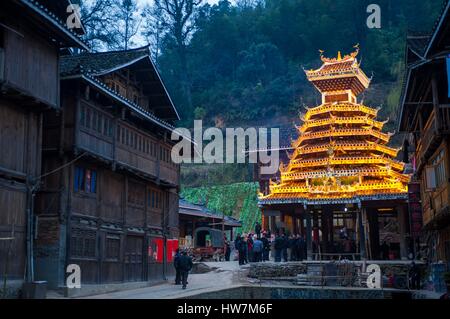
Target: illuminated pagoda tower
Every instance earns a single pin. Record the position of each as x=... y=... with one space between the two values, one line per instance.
x=341 y=156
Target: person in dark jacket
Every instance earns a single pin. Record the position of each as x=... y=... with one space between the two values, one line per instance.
x=175 y=264
x=285 y=247
x=301 y=248
x=279 y=244
x=258 y=230
x=184 y=264
x=266 y=247
x=227 y=250
x=414 y=276
x=240 y=246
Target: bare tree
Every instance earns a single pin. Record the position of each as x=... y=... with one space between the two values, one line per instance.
x=178 y=20
x=97 y=20
x=153 y=29
x=126 y=23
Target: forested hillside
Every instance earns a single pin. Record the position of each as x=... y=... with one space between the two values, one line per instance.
x=237 y=200
x=245 y=62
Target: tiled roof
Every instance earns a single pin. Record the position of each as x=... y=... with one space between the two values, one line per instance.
x=188 y=208
x=100 y=62
x=337 y=67
x=91 y=65
x=39 y=7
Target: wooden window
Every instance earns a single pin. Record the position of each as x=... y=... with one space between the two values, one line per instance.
x=105 y=126
x=94 y=120
x=83 y=243
x=85 y=180
x=88 y=118
x=112 y=247
x=154 y=199
x=118 y=133
x=136 y=193
x=110 y=128
x=439 y=168
x=83 y=115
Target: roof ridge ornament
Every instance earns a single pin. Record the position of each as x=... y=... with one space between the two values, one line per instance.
x=339 y=57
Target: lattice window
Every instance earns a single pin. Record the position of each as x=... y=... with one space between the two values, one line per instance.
x=83 y=243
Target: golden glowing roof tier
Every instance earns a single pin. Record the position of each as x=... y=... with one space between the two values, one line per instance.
x=361 y=120
x=339 y=74
x=335 y=108
x=341 y=151
x=346 y=147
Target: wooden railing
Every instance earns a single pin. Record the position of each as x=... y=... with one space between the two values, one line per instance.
x=135 y=149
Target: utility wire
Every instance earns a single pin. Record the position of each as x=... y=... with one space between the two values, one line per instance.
x=63 y=166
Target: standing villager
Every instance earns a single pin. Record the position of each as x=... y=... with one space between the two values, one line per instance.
x=258 y=230
x=414 y=276
x=184 y=264
x=250 y=247
x=240 y=245
x=301 y=246
x=279 y=244
x=285 y=247
x=266 y=248
x=258 y=248
x=384 y=251
x=177 y=270
x=227 y=250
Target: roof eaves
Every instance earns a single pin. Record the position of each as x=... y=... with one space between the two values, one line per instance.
x=437 y=26
x=53 y=19
x=164 y=87
x=136 y=108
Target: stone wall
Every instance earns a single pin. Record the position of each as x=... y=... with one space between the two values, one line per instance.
x=273 y=270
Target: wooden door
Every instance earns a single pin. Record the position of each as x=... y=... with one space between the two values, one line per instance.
x=134 y=258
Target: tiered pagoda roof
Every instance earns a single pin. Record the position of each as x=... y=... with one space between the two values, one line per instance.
x=341 y=154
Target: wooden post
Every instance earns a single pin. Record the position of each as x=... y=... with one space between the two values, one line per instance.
x=309 y=235
x=361 y=235
x=435 y=93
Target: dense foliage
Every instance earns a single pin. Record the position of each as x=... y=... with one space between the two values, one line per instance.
x=244 y=61
x=237 y=200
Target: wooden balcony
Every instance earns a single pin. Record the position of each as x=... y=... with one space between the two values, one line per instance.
x=129 y=148
x=432 y=135
x=29 y=68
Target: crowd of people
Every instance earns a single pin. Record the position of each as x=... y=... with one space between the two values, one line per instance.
x=264 y=246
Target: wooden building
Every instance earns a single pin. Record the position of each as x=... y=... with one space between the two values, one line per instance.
x=342 y=188
x=32 y=33
x=425 y=117
x=194 y=216
x=109 y=199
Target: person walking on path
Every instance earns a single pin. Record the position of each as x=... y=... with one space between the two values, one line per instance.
x=258 y=248
x=177 y=270
x=184 y=264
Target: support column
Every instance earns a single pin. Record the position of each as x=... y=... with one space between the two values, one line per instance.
x=361 y=235
x=374 y=231
x=309 y=235
x=401 y=215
